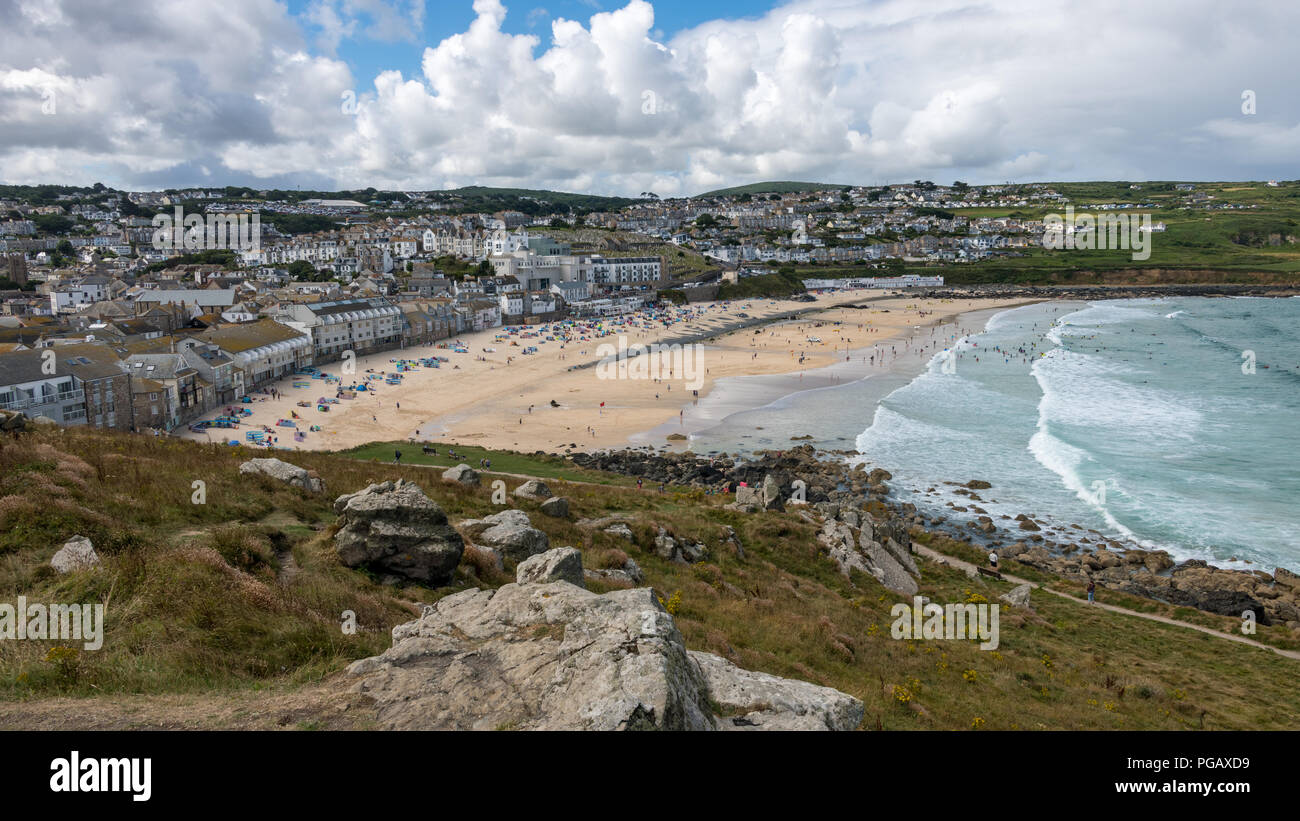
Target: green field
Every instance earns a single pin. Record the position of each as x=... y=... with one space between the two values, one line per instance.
x=544 y=466
x=1198 y=245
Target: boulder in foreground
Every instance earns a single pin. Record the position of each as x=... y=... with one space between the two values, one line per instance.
x=561 y=564
x=557 y=657
x=462 y=474
x=534 y=489
x=395 y=528
x=284 y=472
x=509 y=534
x=76 y=554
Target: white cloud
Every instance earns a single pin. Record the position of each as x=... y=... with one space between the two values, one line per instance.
x=161 y=91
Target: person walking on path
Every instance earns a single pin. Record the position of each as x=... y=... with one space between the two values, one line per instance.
x=397 y=458
x=993 y=560
x=1092 y=590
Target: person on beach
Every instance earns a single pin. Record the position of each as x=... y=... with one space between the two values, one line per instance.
x=1092 y=590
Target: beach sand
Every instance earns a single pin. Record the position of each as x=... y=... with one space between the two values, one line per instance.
x=487 y=400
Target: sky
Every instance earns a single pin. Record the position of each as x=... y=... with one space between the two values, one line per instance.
x=623 y=97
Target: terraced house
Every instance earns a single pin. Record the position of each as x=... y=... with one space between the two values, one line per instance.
x=86 y=387
x=264 y=350
x=360 y=325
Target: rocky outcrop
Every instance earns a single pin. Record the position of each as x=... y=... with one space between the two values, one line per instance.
x=556 y=506
x=1191 y=584
x=628 y=573
x=462 y=474
x=668 y=547
x=758 y=701
x=1018 y=596
x=749 y=498
x=396 y=529
x=77 y=553
x=773 y=493
x=731 y=540
x=561 y=564
x=556 y=657
x=12 y=422
x=1229 y=592
x=856 y=495
x=509 y=534
x=620 y=530
x=284 y=472
x=861 y=548
x=534 y=490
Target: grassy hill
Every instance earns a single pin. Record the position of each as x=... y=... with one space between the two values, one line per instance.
x=238 y=600
x=497 y=199
x=773 y=188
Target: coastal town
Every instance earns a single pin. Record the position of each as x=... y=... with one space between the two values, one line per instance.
x=168 y=305
x=151 y=334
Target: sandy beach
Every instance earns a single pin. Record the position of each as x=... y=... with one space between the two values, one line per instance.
x=495 y=396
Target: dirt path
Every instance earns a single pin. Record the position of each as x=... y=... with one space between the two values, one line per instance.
x=324 y=706
x=961 y=564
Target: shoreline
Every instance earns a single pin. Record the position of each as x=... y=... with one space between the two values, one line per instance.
x=736 y=396
x=555 y=400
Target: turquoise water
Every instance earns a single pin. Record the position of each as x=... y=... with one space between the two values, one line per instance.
x=1132 y=417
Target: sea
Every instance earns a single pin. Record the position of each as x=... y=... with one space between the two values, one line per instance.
x=1167 y=424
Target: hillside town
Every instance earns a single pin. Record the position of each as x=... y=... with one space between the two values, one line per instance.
x=152 y=333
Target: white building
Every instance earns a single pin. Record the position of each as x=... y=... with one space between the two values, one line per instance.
x=358 y=325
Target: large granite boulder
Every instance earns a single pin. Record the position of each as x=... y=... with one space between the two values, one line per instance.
x=556 y=506
x=284 y=472
x=509 y=534
x=76 y=554
x=560 y=564
x=557 y=657
x=1018 y=596
x=394 y=528
x=534 y=490
x=772 y=494
x=749 y=497
x=758 y=701
x=462 y=474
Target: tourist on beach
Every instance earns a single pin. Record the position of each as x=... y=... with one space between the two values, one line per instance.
x=1092 y=590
